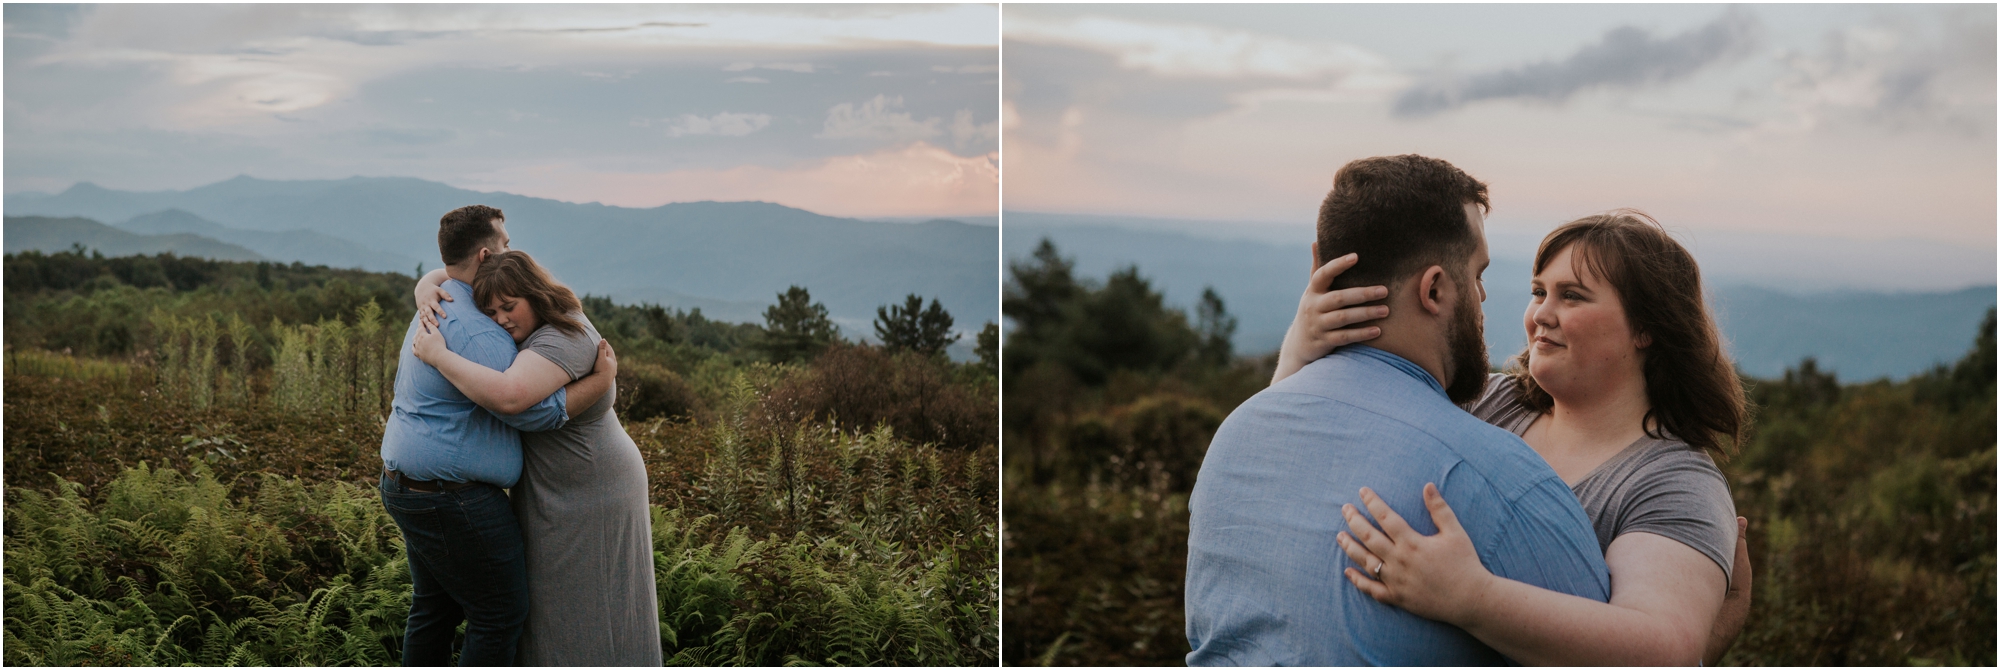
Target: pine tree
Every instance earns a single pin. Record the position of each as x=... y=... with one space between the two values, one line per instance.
x=796 y=329
x=1216 y=326
x=910 y=327
x=989 y=348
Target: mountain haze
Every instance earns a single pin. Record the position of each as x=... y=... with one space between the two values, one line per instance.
x=731 y=255
x=49 y=235
x=1860 y=335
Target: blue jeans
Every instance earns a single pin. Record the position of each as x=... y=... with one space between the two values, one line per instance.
x=467 y=563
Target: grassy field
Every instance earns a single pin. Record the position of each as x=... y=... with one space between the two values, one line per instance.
x=186 y=490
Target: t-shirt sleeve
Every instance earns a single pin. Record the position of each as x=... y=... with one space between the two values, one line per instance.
x=576 y=353
x=1496 y=399
x=1683 y=496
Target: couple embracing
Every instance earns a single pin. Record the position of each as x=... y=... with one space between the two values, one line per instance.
x=1388 y=501
x=504 y=384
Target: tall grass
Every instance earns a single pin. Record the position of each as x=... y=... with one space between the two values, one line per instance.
x=775 y=542
x=333 y=367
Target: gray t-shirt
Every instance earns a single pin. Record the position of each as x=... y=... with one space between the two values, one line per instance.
x=575 y=354
x=1663 y=487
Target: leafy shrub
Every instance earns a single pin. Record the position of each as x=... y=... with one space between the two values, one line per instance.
x=860 y=385
x=647 y=391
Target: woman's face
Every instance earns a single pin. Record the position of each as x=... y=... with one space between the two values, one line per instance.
x=1579 y=341
x=513 y=314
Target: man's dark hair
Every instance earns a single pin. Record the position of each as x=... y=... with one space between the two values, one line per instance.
x=1402 y=214
x=464 y=230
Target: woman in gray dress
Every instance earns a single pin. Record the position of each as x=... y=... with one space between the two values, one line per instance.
x=582 y=498
x=1624 y=389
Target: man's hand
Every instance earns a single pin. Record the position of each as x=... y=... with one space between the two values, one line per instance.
x=1735 y=605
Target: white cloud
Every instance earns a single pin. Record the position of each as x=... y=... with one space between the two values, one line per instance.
x=964 y=131
x=738 y=67
x=881 y=73
x=1899 y=74
x=725 y=123
x=806 y=68
x=1198 y=51
x=966 y=69
x=747 y=80
x=876 y=119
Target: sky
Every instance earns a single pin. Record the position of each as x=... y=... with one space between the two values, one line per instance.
x=1854 y=123
x=846 y=110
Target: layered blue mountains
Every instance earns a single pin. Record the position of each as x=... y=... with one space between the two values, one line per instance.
x=730 y=259
x=1777 y=301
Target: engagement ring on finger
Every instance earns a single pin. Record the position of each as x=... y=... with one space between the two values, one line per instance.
x=1378 y=571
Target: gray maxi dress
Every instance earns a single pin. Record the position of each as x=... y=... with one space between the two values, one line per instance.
x=588 y=528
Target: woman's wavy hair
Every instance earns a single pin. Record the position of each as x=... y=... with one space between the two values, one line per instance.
x=1690 y=382
x=515 y=274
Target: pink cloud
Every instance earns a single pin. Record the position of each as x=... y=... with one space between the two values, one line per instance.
x=917 y=179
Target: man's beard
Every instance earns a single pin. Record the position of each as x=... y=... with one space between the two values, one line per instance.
x=1466 y=362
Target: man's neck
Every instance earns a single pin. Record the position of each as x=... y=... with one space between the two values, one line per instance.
x=1407 y=346
x=1415 y=347
x=462 y=273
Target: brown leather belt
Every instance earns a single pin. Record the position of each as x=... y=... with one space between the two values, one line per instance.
x=422 y=485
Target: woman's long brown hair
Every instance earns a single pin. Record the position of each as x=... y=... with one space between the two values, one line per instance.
x=515 y=274
x=1690 y=382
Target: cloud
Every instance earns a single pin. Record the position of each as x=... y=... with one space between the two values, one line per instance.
x=804 y=68
x=876 y=120
x=747 y=80
x=1898 y=74
x=964 y=131
x=1183 y=50
x=917 y=179
x=726 y=124
x=1625 y=57
x=966 y=69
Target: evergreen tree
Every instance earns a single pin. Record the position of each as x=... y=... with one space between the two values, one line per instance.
x=796 y=329
x=1215 y=326
x=910 y=327
x=989 y=348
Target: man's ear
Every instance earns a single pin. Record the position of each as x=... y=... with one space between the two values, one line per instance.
x=1316 y=262
x=1430 y=290
x=482 y=255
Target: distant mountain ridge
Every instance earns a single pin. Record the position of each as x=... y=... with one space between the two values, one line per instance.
x=305 y=246
x=1860 y=335
x=51 y=235
x=741 y=253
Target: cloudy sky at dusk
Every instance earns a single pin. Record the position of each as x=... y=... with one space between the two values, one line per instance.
x=1860 y=122
x=844 y=110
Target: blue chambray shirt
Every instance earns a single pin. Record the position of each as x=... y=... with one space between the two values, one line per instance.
x=1264 y=583
x=434 y=432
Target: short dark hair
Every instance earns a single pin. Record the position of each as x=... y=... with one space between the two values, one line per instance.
x=1402 y=214
x=464 y=230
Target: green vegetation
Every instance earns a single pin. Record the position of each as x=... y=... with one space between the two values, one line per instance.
x=1871 y=505
x=911 y=327
x=202 y=490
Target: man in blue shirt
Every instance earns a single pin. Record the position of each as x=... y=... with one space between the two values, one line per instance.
x=446 y=461
x=1264 y=582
